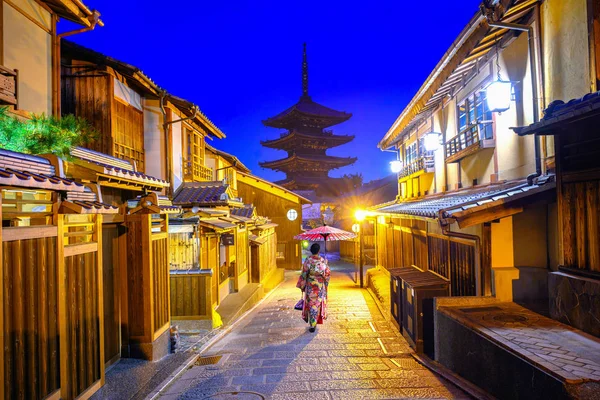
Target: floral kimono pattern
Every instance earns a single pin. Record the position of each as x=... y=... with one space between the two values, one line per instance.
x=313 y=281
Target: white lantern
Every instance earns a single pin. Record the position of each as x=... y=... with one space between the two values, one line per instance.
x=431 y=141
x=396 y=166
x=498 y=96
x=356 y=228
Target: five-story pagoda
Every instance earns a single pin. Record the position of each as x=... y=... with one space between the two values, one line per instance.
x=306 y=141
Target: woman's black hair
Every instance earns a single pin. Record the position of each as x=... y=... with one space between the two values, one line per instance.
x=314 y=249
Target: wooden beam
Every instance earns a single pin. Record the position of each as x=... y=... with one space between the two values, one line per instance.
x=29 y=232
x=75 y=249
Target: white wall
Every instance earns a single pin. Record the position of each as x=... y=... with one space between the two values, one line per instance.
x=154 y=139
x=28 y=48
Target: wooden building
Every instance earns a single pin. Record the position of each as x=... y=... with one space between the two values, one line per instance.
x=281 y=206
x=306 y=141
x=473 y=205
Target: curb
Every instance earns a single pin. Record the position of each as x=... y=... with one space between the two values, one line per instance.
x=155 y=394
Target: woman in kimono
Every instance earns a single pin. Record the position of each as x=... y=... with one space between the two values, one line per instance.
x=313 y=281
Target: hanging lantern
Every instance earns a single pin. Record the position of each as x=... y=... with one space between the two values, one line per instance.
x=396 y=166
x=431 y=141
x=498 y=96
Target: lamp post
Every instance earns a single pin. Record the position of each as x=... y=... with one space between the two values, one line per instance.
x=360 y=216
x=328 y=220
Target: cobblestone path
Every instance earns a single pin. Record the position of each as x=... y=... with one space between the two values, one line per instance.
x=355 y=354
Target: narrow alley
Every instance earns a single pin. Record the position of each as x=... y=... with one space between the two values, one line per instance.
x=355 y=354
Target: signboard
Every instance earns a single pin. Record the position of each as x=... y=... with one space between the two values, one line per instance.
x=227 y=239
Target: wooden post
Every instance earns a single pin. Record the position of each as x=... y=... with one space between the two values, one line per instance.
x=2 y=301
x=97 y=237
x=65 y=389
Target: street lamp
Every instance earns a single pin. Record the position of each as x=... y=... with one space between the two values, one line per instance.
x=396 y=166
x=431 y=141
x=360 y=216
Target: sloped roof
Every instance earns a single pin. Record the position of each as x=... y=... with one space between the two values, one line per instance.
x=203 y=193
x=233 y=160
x=559 y=112
x=25 y=170
x=307 y=107
x=74 y=10
x=248 y=211
x=451 y=205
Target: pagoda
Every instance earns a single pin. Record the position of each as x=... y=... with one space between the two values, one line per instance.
x=306 y=141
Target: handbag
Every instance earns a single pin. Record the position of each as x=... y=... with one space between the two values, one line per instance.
x=299 y=305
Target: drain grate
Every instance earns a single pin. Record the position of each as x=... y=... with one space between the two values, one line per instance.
x=210 y=360
x=406 y=363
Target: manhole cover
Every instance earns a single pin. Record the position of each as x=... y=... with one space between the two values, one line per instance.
x=207 y=360
x=510 y=318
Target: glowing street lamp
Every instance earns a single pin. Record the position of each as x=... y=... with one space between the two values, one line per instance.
x=498 y=95
x=360 y=216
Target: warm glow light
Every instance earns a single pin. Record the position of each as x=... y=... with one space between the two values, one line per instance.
x=396 y=166
x=356 y=228
x=432 y=141
x=360 y=215
x=498 y=96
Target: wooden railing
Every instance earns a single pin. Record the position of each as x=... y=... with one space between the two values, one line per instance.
x=424 y=163
x=9 y=86
x=467 y=142
x=197 y=172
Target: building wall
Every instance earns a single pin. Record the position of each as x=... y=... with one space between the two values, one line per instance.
x=28 y=48
x=153 y=139
x=274 y=207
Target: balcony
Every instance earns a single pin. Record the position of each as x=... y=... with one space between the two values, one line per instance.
x=196 y=172
x=468 y=142
x=9 y=87
x=424 y=164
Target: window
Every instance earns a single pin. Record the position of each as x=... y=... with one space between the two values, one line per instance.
x=128 y=134
x=410 y=154
x=194 y=157
x=280 y=255
x=292 y=215
x=473 y=110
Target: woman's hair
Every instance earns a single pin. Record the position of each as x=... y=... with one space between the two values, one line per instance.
x=314 y=249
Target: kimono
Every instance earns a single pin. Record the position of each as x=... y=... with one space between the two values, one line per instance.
x=313 y=281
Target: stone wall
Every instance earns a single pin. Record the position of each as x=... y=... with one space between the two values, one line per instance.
x=575 y=301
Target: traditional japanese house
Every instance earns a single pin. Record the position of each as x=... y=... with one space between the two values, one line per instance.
x=283 y=207
x=306 y=141
x=483 y=215
x=52 y=285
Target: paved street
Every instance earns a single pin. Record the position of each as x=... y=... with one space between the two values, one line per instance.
x=356 y=354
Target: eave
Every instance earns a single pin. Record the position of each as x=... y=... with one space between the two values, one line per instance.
x=73 y=10
x=288 y=140
x=329 y=161
x=272 y=188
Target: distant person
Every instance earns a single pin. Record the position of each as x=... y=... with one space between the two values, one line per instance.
x=313 y=282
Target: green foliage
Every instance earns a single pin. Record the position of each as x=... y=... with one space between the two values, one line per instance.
x=44 y=135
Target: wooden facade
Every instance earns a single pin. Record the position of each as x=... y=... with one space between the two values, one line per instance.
x=275 y=202
x=52 y=292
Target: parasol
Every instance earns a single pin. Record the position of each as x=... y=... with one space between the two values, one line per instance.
x=325 y=233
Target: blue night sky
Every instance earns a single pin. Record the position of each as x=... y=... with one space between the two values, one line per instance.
x=241 y=62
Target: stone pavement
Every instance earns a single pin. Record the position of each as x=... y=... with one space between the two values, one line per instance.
x=270 y=354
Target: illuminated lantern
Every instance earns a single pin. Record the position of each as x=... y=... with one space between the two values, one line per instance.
x=431 y=141
x=396 y=166
x=498 y=96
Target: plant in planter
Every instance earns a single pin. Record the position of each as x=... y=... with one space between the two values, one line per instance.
x=44 y=134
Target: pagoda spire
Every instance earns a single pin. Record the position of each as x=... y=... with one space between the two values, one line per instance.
x=304 y=74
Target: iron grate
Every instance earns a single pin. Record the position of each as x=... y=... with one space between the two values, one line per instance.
x=406 y=363
x=209 y=360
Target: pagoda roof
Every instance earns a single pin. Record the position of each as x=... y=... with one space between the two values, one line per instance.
x=330 y=140
x=334 y=162
x=307 y=108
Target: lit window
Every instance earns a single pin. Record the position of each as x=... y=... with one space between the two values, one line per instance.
x=292 y=215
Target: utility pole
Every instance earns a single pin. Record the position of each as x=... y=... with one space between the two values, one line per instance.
x=361 y=253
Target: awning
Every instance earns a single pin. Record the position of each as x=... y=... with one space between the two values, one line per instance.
x=217 y=224
x=257 y=240
x=474 y=206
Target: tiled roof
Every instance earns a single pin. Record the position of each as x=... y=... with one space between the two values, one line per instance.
x=116 y=167
x=87 y=202
x=560 y=112
x=209 y=193
x=247 y=211
x=309 y=108
x=24 y=170
x=165 y=205
x=453 y=203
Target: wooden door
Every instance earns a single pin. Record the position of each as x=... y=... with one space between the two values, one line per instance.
x=254 y=264
x=112 y=303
